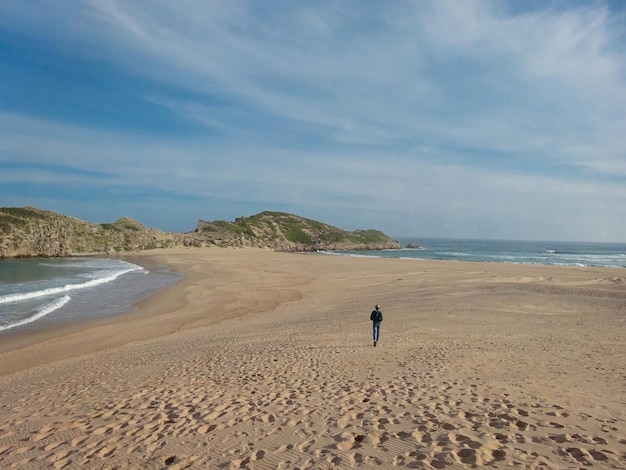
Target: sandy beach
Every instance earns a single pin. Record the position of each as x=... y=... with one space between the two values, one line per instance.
x=265 y=360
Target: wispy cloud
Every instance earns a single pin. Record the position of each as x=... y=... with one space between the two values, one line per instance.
x=435 y=118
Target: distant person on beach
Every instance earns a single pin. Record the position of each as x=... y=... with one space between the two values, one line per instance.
x=377 y=318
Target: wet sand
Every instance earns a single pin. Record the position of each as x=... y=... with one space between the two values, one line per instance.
x=265 y=360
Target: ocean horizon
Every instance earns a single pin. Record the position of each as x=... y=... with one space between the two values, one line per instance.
x=552 y=253
x=39 y=293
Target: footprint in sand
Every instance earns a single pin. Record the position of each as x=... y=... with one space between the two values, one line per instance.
x=334 y=459
x=258 y=455
x=283 y=448
x=306 y=445
x=599 y=440
x=498 y=454
x=597 y=455
x=578 y=454
x=343 y=421
x=207 y=428
x=467 y=456
x=379 y=437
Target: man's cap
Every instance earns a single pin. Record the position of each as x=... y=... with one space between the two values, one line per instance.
x=377 y=306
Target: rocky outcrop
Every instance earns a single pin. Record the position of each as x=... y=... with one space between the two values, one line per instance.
x=31 y=232
x=287 y=232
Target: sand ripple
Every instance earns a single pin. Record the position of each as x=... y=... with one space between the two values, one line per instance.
x=475 y=379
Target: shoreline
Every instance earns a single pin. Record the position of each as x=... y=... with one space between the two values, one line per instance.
x=172 y=298
x=258 y=359
x=44 y=328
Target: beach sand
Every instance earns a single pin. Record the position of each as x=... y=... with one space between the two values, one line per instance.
x=265 y=360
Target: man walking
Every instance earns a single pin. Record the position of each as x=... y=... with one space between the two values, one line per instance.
x=377 y=318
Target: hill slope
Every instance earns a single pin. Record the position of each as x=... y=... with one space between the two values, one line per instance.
x=31 y=232
x=288 y=232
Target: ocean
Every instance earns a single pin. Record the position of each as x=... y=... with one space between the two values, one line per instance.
x=45 y=292
x=39 y=293
x=504 y=251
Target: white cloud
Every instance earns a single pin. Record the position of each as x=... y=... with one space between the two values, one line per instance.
x=453 y=110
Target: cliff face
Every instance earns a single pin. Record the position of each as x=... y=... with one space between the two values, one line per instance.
x=30 y=232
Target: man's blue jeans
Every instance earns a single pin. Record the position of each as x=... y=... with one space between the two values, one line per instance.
x=376 y=330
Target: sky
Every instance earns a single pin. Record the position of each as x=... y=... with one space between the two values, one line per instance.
x=454 y=119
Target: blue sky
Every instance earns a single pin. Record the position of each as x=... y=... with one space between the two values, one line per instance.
x=464 y=119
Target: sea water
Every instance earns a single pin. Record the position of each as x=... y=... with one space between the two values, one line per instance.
x=43 y=292
x=505 y=251
x=39 y=293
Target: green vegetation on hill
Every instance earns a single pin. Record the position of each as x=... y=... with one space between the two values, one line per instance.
x=291 y=232
x=30 y=232
x=18 y=216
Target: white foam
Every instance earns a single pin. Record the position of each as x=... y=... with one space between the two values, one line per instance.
x=40 y=312
x=349 y=254
x=68 y=287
